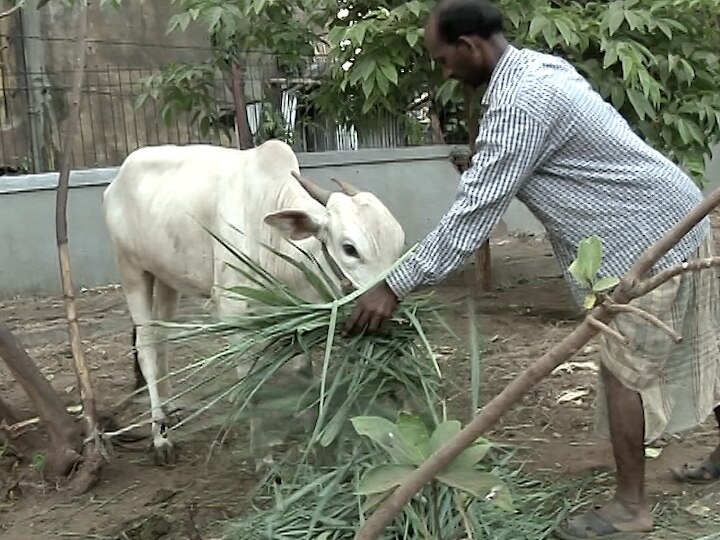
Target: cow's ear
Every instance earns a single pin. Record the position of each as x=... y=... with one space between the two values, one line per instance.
x=297 y=224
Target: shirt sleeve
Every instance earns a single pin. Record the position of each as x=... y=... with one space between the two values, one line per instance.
x=510 y=142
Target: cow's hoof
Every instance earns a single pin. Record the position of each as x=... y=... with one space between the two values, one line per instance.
x=263 y=467
x=164 y=452
x=174 y=415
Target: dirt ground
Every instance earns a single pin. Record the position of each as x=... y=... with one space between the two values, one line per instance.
x=527 y=312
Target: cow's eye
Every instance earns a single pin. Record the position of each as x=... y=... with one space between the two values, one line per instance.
x=350 y=251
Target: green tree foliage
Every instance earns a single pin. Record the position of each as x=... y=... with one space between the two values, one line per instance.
x=656 y=61
x=287 y=28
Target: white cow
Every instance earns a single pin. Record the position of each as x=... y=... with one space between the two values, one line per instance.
x=154 y=209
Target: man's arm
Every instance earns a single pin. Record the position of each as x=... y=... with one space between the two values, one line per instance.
x=510 y=143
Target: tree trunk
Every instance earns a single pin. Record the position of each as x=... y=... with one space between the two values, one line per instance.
x=65 y=433
x=483 y=268
x=436 y=133
x=93 y=452
x=244 y=135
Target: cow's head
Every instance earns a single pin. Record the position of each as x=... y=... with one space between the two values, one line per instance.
x=361 y=235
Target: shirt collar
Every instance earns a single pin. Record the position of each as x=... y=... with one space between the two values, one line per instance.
x=500 y=75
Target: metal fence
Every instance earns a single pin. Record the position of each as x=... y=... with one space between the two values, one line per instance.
x=33 y=114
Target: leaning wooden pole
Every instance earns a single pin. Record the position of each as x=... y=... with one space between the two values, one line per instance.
x=93 y=452
x=628 y=289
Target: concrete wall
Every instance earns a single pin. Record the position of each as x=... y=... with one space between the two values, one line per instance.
x=417 y=184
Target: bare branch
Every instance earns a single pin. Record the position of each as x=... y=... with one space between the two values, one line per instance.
x=11 y=10
x=628 y=308
x=652 y=283
x=527 y=379
x=605 y=329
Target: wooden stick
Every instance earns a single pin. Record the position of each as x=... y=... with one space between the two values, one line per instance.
x=629 y=308
x=93 y=455
x=513 y=392
x=605 y=329
x=655 y=281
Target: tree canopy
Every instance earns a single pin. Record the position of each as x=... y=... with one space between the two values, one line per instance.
x=656 y=61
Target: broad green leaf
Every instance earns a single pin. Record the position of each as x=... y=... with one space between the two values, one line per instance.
x=589 y=301
x=367 y=86
x=688 y=70
x=606 y=283
x=537 y=24
x=412 y=38
x=390 y=72
x=385 y=434
x=641 y=104
x=482 y=486
x=578 y=273
x=684 y=130
x=470 y=457
x=415 y=436
x=361 y=31
x=611 y=56
x=695 y=131
x=214 y=16
x=414 y=6
x=373 y=500
x=567 y=33
x=382 y=478
x=366 y=67
x=634 y=20
x=382 y=82
x=514 y=16
x=628 y=67
x=589 y=256
x=617 y=96
x=616 y=16
x=665 y=28
x=550 y=34
x=443 y=433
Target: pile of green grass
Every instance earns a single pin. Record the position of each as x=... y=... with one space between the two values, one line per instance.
x=356 y=374
x=322 y=504
x=305 y=497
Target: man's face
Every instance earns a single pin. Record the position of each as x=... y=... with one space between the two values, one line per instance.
x=464 y=61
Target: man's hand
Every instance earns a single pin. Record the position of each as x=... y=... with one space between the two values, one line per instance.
x=372 y=310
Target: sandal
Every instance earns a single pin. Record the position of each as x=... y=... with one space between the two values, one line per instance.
x=705 y=473
x=593 y=525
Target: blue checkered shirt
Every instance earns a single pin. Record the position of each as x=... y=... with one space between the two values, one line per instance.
x=550 y=140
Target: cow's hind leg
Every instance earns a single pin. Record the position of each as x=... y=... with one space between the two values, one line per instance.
x=139 y=379
x=138 y=287
x=164 y=308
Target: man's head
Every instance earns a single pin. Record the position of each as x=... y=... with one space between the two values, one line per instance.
x=462 y=36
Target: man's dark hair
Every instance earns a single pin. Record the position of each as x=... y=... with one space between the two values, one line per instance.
x=456 y=18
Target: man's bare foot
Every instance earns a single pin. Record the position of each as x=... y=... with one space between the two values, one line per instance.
x=617 y=519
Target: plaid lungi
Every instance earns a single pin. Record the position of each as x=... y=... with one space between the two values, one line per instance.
x=679 y=384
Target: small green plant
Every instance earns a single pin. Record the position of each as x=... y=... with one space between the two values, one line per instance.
x=409 y=443
x=38 y=463
x=585 y=270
